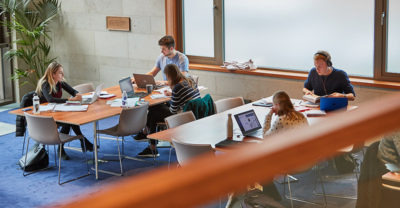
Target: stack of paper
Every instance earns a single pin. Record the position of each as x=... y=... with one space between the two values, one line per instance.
x=315 y=113
x=157 y=96
x=63 y=107
x=131 y=102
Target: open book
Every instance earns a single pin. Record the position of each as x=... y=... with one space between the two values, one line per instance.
x=312 y=98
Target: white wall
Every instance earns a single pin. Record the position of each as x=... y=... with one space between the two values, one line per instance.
x=90 y=53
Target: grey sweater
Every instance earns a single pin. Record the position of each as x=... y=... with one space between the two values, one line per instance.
x=389 y=149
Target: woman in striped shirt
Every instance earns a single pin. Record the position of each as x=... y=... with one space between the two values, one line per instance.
x=183 y=90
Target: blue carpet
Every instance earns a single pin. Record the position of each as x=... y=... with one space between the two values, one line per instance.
x=41 y=188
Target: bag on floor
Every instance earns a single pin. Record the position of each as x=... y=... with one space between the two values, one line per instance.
x=36 y=159
x=345 y=163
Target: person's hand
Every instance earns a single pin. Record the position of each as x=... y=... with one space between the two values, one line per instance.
x=167 y=93
x=78 y=97
x=274 y=109
x=133 y=80
x=309 y=93
x=336 y=94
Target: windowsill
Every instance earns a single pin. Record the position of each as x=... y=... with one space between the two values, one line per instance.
x=294 y=75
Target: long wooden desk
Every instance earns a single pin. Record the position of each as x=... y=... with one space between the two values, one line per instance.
x=96 y=111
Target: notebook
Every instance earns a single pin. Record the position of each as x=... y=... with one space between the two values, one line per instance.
x=248 y=123
x=142 y=80
x=89 y=99
x=126 y=85
x=332 y=103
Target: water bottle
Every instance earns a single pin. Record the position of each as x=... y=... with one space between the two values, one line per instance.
x=36 y=104
x=229 y=128
x=124 y=99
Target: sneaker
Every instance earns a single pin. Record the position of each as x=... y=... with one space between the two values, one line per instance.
x=147 y=152
x=140 y=137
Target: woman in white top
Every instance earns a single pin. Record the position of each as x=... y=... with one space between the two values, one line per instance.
x=288 y=117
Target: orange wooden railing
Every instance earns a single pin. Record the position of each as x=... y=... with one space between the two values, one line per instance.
x=206 y=178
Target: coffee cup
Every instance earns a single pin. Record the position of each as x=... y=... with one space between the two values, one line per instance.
x=149 y=88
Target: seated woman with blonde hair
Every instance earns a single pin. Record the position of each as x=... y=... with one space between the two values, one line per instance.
x=288 y=117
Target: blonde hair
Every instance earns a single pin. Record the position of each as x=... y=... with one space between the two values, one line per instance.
x=285 y=105
x=174 y=75
x=48 y=77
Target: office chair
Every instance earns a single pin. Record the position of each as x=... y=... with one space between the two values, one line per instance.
x=84 y=88
x=43 y=129
x=228 y=103
x=177 y=120
x=131 y=121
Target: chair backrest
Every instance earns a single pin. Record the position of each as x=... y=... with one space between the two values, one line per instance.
x=84 y=88
x=132 y=120
x=179 y=119
x=186 y=151
x=196 y=79
x=42 y=129
x=201 y=107
x=228 y=103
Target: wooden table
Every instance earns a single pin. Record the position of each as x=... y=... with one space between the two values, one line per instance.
x=96 y=111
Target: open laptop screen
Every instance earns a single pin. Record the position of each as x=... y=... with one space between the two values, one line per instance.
x=248 y=122
x=126 y=85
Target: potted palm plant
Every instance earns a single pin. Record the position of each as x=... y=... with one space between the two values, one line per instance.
x=30 y=20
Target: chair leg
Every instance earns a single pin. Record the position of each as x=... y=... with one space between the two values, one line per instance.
x=123 y=146
x=119 y=156
x=59 y=165
x=169 y=157
x=84 y=155
x=23 y=144
x=26 y=155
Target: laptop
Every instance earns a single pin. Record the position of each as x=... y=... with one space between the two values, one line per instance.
x=126 y=85
x=89 y=99
x=332 y=103
x=248 y=123
x=142 y=80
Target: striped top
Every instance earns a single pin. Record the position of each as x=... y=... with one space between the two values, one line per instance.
x=181 y=94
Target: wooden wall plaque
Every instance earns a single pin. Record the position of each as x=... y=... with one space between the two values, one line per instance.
x=118 y=23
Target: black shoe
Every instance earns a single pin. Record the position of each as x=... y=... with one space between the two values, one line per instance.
x=64 y=155
x=140 y=137
x=88 y=144
x=147 y=152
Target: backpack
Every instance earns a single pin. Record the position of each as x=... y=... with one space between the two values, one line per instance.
x=36 y=159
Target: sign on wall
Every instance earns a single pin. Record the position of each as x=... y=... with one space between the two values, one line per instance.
x=118 y=23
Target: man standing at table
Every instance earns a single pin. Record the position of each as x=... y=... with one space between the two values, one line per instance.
x=324 y=79
x=168 y=56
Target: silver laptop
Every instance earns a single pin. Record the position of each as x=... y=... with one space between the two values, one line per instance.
x=89 y=99
x=248 y=123
x=142 y=80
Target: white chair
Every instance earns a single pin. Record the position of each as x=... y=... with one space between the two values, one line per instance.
x=177 y=120
x=43 y=129
x=84 y=88
x=186 y=151
x=228 y=103
x=131 y=121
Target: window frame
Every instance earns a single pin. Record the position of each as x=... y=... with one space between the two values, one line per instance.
x=380 y=39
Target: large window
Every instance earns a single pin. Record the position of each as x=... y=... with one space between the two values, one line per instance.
x=361 y=35
x=393 y=42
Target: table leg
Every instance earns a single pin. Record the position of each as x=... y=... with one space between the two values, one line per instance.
x=95 y=149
